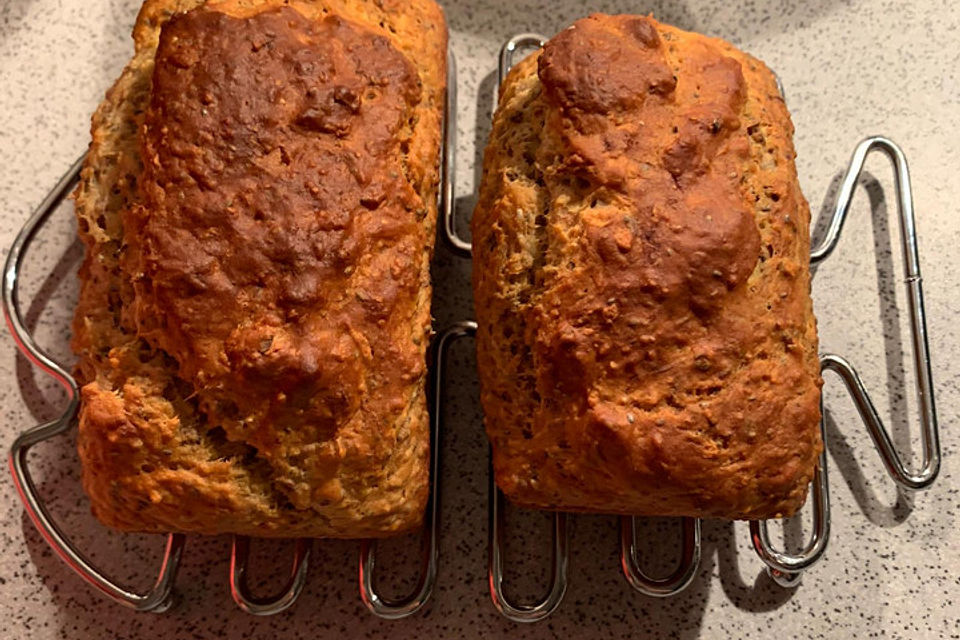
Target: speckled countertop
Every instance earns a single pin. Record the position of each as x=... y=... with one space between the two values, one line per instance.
x=850 y=68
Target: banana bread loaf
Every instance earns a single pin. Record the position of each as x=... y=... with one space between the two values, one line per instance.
x=646 y=338
x=258 y=207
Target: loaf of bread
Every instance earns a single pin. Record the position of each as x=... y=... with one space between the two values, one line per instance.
x=646 y=338
x=258 y=207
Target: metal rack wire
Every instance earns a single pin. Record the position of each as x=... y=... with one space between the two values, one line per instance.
x=784 y=568
x=159 y=597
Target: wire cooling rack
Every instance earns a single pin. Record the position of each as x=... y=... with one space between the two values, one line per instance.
x=786 y=569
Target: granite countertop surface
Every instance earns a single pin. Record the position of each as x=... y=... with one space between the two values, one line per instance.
x=850 y=67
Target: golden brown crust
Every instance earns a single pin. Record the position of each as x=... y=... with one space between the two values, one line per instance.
x=290 y=199
x=646 y=338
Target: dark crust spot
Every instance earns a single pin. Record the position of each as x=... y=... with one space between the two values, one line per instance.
x=600 y=70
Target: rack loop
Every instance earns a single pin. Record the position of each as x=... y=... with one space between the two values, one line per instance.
x=448 y=166
x=240 y=590
x=558 y=573
x=458 y=245
x=878 y=433
x=930 y=466
x=786 y=569
x=677 y=581
x=430 y=545
x=160 y=596
x=510 y=48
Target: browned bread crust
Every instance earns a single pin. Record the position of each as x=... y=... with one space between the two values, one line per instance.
x=646 y=338
x=258 y=206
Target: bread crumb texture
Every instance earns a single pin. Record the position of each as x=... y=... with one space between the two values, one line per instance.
x=646 y=339
x=258 y=207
